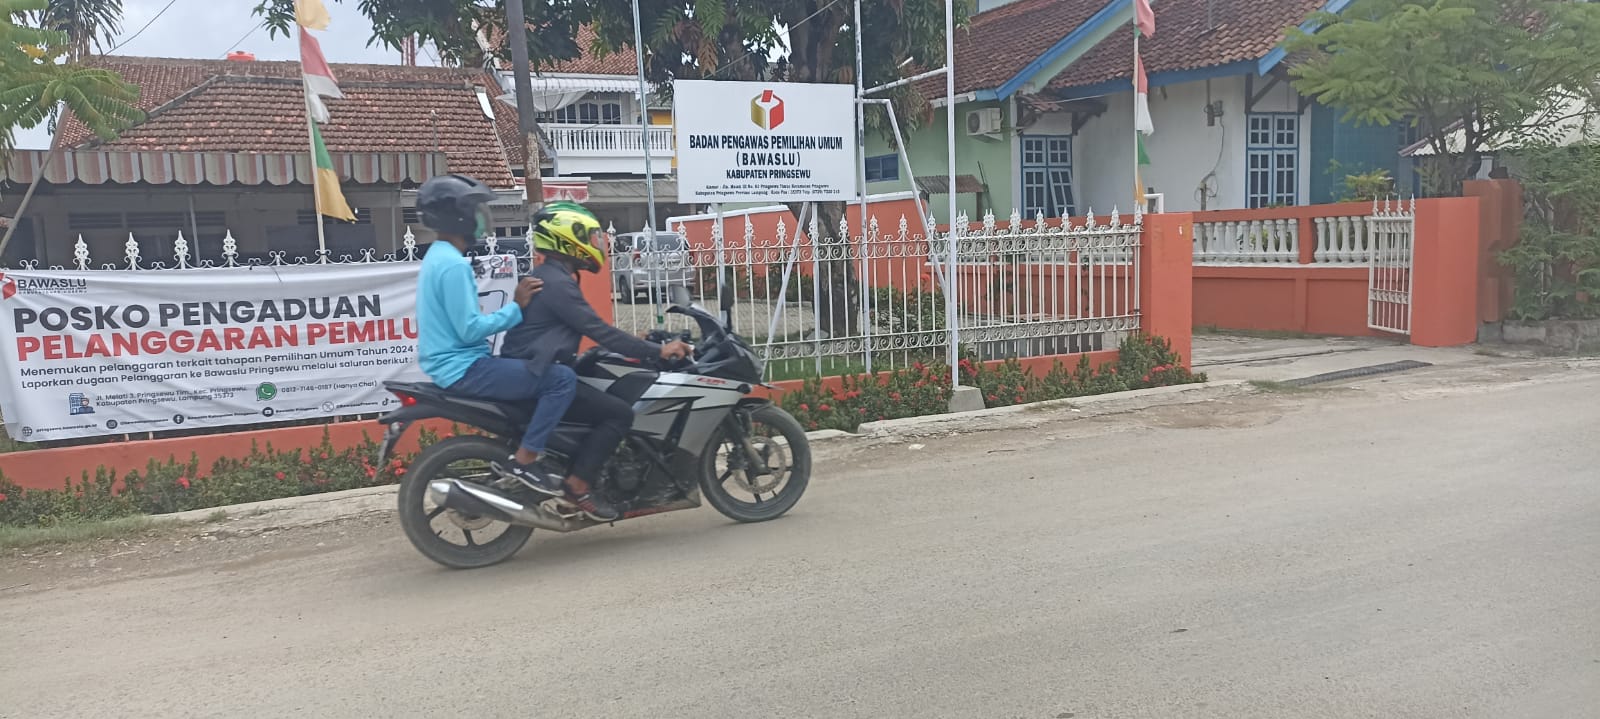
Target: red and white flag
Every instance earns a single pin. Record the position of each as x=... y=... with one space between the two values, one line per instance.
x=318 y=77
x=1144 y=18
x=1141 y=99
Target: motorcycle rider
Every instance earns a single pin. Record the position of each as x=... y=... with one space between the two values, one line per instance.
x=452 y=335
x=567 y=237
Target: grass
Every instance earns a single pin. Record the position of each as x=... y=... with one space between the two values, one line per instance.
x=77 y=532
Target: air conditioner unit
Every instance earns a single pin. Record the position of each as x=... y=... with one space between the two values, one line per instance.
x=985 y=122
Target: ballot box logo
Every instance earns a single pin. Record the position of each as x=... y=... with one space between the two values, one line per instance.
x=766 y=110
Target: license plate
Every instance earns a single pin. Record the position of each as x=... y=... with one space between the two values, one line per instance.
x=390 y=436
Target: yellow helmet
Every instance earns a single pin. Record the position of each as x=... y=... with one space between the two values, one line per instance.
x=570 y=230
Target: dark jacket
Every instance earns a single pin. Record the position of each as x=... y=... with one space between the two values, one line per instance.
x=558 y=319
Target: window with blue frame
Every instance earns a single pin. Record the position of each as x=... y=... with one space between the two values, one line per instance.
x=883 y=168
x=1272 y=159
x=1047 y=175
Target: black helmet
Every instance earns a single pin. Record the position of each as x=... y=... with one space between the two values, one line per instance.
x=455 y=205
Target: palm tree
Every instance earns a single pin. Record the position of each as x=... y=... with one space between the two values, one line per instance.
x=36 y=80
x=89 y=24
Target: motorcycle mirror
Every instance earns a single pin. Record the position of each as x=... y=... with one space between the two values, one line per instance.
x=679 y=295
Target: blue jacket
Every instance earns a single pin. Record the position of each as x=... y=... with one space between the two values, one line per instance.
x=451 y=332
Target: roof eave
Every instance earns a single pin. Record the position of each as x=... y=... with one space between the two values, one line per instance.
x=1158 y=79
x=1276 y=56
x=1067 y=50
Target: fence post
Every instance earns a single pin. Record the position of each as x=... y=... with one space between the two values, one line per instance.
x=1500 y=220
x=1444 y=268
x=1166 y=287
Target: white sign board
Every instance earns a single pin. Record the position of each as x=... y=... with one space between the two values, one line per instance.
x=764 y=141
x=114 y=352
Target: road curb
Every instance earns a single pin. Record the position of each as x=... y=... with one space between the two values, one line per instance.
x=941 y=422
x=314 y=509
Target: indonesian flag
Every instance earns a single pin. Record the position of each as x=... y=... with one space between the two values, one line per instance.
x=330 y=199
x=1141 y=99
x=1144 y=18
x=318 y=77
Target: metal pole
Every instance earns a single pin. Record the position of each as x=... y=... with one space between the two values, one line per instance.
x=905 y=81
x=517 y=33
x=1138 y=187
x=951 y=289
x=861 y=194
x=656 y=293
x=316 y=197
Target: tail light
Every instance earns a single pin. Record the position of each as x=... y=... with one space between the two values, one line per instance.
x=406 y=400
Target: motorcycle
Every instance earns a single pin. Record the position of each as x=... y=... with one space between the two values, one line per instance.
x=698 y=430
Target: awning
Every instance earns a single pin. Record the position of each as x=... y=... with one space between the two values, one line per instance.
x=632 y=190
x=936 y=184
x=215 y=168
x=1571 y=122
x=550 y=84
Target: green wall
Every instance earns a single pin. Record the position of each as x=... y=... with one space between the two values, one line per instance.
x=988 y=160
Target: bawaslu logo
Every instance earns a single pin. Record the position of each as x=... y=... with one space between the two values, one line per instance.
x=10 y=286
x=766 y=110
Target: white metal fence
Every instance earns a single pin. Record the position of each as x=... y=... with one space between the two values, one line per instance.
x=1392 y=235
x=817 y=303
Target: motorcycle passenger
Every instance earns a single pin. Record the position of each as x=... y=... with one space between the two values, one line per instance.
x=567 y=237
x=453 y=335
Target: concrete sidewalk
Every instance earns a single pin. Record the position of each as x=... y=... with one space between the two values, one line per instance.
x=1232 y=357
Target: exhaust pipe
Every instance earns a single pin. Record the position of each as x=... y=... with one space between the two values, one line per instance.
x=479 y=500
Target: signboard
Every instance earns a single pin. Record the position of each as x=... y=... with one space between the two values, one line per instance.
x=764 y=141
x=566 y=189
x=111 y=352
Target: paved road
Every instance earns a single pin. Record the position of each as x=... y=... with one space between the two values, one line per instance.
x=1355 y=554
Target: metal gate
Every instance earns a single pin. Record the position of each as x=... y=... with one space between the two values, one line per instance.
x=1390 y=229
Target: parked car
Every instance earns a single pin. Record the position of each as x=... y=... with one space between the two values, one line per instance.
x=637 y=267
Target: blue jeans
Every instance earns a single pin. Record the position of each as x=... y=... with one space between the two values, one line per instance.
x=508 y=380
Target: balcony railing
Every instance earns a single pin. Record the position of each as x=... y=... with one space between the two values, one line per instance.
x=623 y=140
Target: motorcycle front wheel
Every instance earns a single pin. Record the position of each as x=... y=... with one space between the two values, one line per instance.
x=448 y=536
x=756 y=465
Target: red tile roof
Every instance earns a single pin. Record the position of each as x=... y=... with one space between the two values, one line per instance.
x=591 y=62
x=997 y=44
x=1241 y=30
x=229 y=106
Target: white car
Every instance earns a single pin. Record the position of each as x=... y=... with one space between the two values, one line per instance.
x=637 y=267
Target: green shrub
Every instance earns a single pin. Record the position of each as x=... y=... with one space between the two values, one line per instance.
x=924 y=389
x=174 y=486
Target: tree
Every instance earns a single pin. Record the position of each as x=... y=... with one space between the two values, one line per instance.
x=35 y=81
x=794 y=40
x=88 y=24
x=1478 y=70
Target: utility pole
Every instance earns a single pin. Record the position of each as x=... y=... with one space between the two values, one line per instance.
x=517 y=34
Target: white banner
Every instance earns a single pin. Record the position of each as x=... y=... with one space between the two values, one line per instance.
x=115 y=352
x=764 y=141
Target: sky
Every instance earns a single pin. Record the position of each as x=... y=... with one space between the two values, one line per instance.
x=207 y=28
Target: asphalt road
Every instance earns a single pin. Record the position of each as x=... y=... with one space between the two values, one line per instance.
x=1355 y=554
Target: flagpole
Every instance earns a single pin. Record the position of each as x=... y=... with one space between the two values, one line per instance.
x=1138 y=187
x=311 y=144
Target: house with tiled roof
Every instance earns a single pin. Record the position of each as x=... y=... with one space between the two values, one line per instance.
x=595 y=135
x=223 y=150
x=1045 y=111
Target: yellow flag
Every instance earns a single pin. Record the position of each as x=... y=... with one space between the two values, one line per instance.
x=311 y=14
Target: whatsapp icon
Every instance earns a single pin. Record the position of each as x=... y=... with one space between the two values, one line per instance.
x=266 y=391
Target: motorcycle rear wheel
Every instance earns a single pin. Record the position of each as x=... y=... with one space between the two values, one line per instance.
x=780 y=439
x=467 y=459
